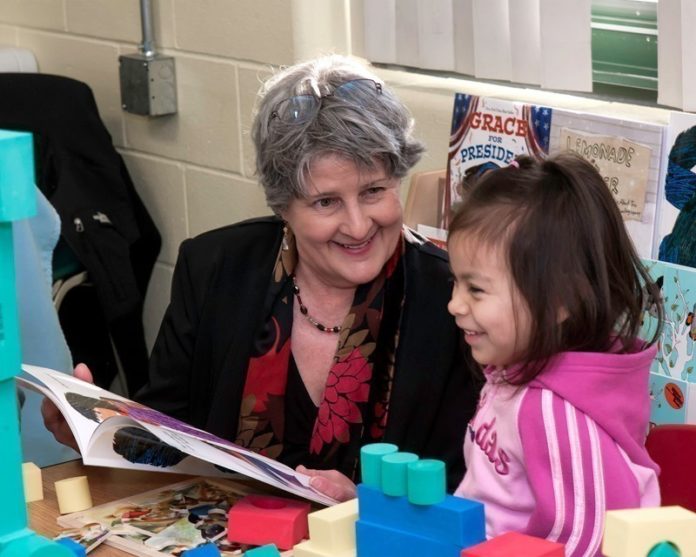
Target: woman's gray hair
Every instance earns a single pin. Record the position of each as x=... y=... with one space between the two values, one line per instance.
x=367 y=128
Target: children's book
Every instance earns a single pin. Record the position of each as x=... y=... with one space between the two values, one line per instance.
x=489 y=133
x=165 y=521
x=115 y=432
x=673 y=372
x=675 y=240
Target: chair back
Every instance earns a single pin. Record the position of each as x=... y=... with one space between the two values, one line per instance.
x=424 y=200
x=673 y=448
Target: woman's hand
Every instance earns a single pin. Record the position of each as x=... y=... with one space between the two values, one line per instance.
x=54 y=420
x=330 y=482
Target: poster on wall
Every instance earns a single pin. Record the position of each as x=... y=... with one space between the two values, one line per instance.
x=623 y=164
x=673 y=371
x=627 y=153
x=489 y=133
x=675 y=240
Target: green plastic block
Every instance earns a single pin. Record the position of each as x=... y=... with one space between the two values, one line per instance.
x=426 y=482
x=371 y=462
x=395 y=473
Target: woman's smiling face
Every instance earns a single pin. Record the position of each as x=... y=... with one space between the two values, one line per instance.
x=348 y=225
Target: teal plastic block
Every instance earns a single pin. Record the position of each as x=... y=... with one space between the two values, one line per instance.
x=664 y=549
x=205 y=550
x=427 y=484
x=17 y=201
x=10 y=358
x=371 y=462
x=75 y=548
x=455 y=520
x=375 y=540
x=395 y=473
x=17 y=189
x=269 y=550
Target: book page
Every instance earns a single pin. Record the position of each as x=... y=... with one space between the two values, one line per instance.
x=55 y=386
x=116 y=432
x=161 y=522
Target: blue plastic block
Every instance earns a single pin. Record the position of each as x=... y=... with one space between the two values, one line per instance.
x=76 y=549
x=269 y=550
x=205 y=550
x=375 y=540
x=455 y=520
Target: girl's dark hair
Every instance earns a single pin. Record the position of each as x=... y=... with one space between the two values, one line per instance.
x=568 y=253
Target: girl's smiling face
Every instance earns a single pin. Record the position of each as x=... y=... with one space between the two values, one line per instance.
x=486 y=304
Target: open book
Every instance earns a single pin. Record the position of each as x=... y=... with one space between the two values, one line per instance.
x=115 y=432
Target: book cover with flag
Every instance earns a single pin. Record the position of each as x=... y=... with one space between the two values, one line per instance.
x=489 y=133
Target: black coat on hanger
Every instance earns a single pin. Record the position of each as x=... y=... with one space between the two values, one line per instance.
x=104 y=222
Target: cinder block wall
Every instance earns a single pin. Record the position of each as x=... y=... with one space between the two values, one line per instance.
x=194 y=170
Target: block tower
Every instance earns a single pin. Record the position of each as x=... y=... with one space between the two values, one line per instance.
x=404 y=510
x=17 y=201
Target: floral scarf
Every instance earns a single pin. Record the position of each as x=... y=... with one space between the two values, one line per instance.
x=355 y=405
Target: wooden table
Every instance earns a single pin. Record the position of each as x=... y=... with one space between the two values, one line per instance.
x=106 y=484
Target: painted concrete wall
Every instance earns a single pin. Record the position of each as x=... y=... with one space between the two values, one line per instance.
x=194 y=170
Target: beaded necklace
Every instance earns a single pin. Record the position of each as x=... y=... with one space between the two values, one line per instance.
x=304 y=311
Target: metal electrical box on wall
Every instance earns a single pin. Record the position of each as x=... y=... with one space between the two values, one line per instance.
x=148 y=84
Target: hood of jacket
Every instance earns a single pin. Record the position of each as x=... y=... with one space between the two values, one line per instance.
x=611 y=388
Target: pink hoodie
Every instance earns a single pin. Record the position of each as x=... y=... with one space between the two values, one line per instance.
x=550 y=458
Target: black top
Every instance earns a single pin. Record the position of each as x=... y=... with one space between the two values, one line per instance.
x=200 y=359
x=300 y=415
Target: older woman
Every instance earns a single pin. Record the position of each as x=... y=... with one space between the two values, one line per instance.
x=311 y=333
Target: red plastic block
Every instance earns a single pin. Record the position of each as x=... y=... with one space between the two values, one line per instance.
x=513 y=544
x=263 y=519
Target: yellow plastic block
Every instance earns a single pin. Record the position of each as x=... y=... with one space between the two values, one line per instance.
x=634 y=532
x=73 y=495
x=331 y=532
x=33 y=483
x=307 y=549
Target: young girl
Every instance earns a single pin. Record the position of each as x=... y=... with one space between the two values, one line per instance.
x=549 y=292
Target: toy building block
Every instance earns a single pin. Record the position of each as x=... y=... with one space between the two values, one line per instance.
x=395 y=473
x=263 y=519
x=635 y=532
x=376 y=540
x=426 y=482
x=76 y=549
x=17 y=201
x=73 y=495
x=371 y=462
x=269 y=550
x=33 y=484
x=455 y=520
x=306 y=549
x=205 y=550
x=664 y=549
x=519 y=545
x=331 y=532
